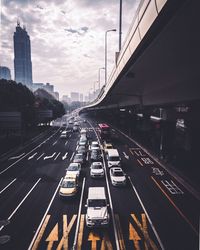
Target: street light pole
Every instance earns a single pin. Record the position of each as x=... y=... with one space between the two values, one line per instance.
x=106 y=53
x=120 y=25
x=99 y=78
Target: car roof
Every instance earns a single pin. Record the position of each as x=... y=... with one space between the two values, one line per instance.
x=97 y=163
x=117 y=169
x=74 y=164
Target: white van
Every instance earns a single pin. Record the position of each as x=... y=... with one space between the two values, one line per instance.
x=113 y=158
x=97 y=208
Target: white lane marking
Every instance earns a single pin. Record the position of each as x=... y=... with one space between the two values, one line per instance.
x=7 y=186
x=87 y=158
x=79 y=215
x=40 y=156
x=50 y=156
x=65 y=156
x=126 y=156
x=55 y=143
x=147 y=215
x=72 y=156
x=44 y=216
x=16 y=157
x=70 y=136
x=32 y=156
x=66 y=143
x=56 y=156
x=3 y=171
x=109 y=194
x=22 y=202
x=187 y=186
x=172 y=187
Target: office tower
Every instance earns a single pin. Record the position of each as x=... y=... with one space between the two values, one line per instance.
x=22 y=56
x=74 y=96
x=5 y=73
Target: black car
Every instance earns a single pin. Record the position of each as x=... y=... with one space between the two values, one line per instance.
x=96 y=155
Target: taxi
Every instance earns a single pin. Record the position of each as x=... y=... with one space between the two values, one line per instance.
x=68 y=186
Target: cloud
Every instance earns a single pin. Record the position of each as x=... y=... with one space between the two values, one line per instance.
x=67 y=38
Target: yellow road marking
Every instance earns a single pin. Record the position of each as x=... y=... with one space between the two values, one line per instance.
x=37 y=241
x=131 y=151
x=53 y=236
x=94 y=238
x=66 y=230
x=143 y=228
x=133 y=235
x=106 y=244
x=177 y=209
x=80 y=234
x=136 y=153
x=119 y=232
x=140 y=163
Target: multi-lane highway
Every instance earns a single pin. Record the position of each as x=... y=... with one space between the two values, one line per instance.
x=154 y=210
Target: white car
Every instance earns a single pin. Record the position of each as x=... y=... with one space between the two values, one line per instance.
x=96 y=170
x=117 y=176
x=69 y=186
x=94 y=145
x=74 y=169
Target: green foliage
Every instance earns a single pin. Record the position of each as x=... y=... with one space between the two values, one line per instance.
x=17 y=97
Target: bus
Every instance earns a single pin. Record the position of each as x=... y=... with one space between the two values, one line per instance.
x=104 y=130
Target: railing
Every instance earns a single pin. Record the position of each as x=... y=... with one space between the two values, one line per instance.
x=146 y=14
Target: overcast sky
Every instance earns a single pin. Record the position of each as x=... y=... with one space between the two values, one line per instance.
x=67 y=38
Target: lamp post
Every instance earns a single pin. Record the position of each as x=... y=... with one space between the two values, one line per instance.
x=99 y=79
x=120 y=25
x=106 y=53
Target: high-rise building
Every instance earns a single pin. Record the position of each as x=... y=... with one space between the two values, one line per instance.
x=22 y=56
x=5 y=73
x=81 y=97
x=74 y=96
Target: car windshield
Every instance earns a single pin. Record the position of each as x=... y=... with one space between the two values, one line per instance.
x=78 y=157
x=118 y=173
x=68 y=184
x=96 y=167
x=96 y=203
x=114 y=158
x=73 y=168
x=96 y=151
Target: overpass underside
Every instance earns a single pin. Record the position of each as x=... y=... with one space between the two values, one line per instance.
x=164 y=69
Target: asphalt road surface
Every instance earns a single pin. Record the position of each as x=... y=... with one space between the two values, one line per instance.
x=153 y=211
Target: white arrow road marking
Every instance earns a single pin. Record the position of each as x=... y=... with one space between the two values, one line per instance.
x=32 y=156
x=40 y=156
x=56 y=156
x=126 y=156
x=65 y=156
x=16 y=157
x=50 y=156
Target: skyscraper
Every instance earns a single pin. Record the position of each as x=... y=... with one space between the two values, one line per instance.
x=22 y=54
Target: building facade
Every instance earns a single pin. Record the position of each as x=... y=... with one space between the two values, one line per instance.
x=22 y=56
x=74 y=96
x=5 y=73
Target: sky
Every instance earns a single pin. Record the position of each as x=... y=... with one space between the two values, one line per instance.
x=67 y=39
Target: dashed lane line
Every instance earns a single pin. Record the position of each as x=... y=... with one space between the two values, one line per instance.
x=22 y=201
x=8 y=186
x=3 y=171
x=38 y=235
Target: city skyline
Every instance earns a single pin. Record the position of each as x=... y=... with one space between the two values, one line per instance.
x=67 y=39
